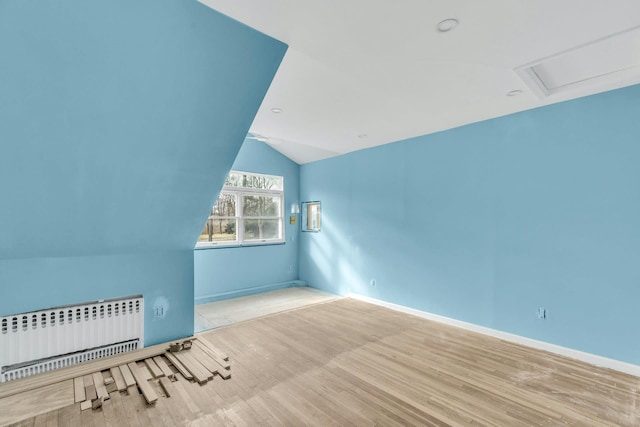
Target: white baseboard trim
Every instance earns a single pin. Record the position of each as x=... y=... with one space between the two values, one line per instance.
x=593 y=359
x=248 y=291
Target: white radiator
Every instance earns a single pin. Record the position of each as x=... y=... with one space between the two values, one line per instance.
x=39 y=341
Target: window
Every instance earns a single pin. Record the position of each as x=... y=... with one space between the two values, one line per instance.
x=248 y=211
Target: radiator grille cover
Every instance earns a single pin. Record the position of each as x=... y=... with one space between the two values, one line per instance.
x=66 y=333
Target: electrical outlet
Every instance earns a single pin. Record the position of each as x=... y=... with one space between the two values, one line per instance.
x=160 y=308
x=542 y=313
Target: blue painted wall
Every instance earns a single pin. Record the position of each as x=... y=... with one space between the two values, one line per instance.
x=225 y=272
x=119 y=121
x=163 y=278
x=487 y=222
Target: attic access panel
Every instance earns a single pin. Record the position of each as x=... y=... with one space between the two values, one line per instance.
x=611 y=60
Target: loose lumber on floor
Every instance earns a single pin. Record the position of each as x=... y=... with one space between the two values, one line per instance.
x=78 y=390
x=205 y=360
x=116 y=373
x=93 y=390
x=126 y=375
x=154 y=368
x=101 y=390
x=200 y=373
x=90 y=392
x=222 y=366
x=110 y=384
x=148 y=392
x=179 y=366
x=166 y=386
x=211 y=348
x=142 y=368
x=24 y=384
x=163 y=366
x=88 y=380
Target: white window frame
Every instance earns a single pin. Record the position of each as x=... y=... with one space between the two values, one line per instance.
x=240 y=193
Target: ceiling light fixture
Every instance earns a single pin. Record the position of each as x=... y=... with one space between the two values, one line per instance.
x=447 y=25
x=514 y=92
x=276 y=110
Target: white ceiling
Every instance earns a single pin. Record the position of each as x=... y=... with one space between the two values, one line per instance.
x=380 y=68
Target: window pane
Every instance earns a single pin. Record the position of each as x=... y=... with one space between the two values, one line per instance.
x=246 y=180
x=261 y=229
x=262 y=182
x=234 y=179
x=261 y=206
x=218 y=230
x=225 y=205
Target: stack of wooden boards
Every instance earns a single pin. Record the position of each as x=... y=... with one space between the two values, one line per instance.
x=194 y=360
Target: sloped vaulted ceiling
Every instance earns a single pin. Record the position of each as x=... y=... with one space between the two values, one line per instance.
x=119 y=121
x=363 y=73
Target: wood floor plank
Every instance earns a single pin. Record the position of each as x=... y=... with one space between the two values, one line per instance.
x=40 y=420
x=69 y=416
x=111 y=417
x=135 y=405
x=88 y=380
x=24 y=423
x=163 y=366
x=154 y=412
x=129 y=380
x=211 y=348
x=148 y=392
x=224 y=364
x=78 y=390
x=87 y=419
x=180 y=388
x=166 y=386
x=179 y=366
x=204 y=359
x=166 y=417
x=198 y=371
x=177 y=407
x=90 y=392
x=115 y=413
x=101 y=390
x=116 y=374
x=154 y=368
x=32 y=403
x=143 y=370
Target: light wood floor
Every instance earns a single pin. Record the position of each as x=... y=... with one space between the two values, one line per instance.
x=346 y=362
x=222 y=313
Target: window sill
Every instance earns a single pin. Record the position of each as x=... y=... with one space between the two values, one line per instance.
x=237 y=245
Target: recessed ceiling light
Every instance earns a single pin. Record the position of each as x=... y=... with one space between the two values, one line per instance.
x=447 y=25
x=514 y=92
x=276 y=110
x=362 y=135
